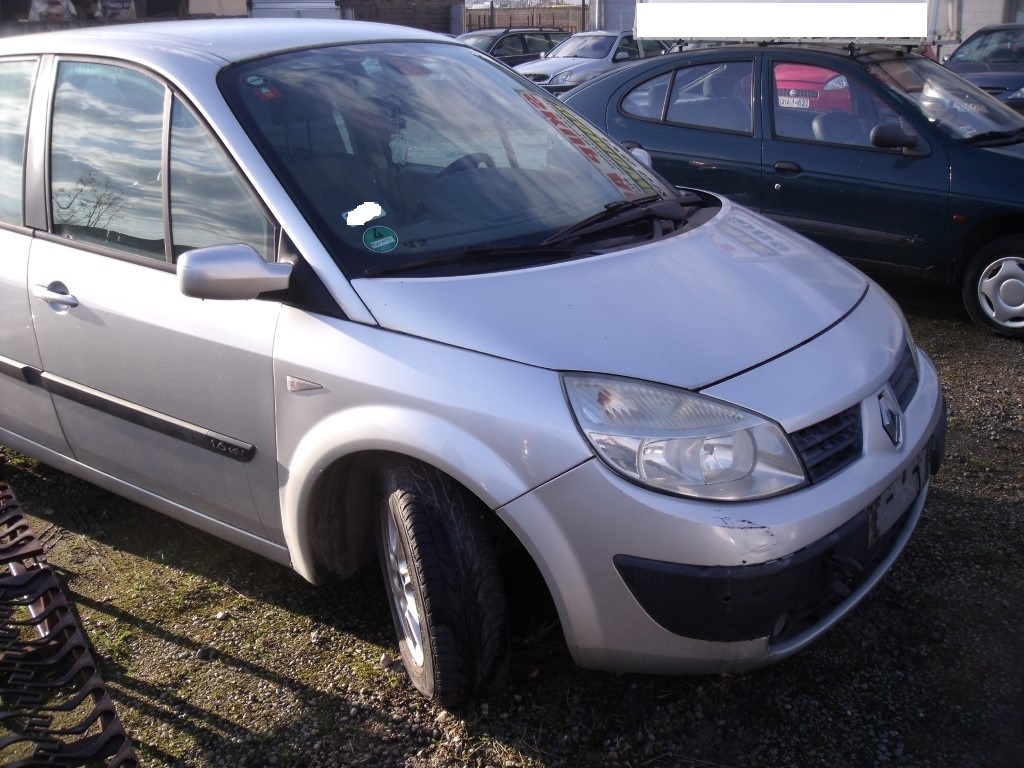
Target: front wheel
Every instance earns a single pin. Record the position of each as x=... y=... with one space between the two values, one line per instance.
x=443 y=584
x=993 y=288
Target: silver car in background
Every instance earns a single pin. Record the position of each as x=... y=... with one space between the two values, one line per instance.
x=340 y=292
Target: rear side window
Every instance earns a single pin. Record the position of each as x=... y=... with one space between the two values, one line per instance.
x=115 y=183
x=15 y=92
x=716 y=96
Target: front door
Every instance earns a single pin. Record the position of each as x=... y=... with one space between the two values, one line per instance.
x=823 y=177
x=169 y=394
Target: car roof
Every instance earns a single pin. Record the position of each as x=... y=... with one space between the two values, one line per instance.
x=504 y=30
x=214 y=41
x=997 y=27
x=835 y=50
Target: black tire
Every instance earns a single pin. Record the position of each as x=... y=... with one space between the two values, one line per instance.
x=993 y=288
x=443 y=584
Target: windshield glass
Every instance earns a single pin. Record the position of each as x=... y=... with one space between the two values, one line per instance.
x=400 y=152
x=480 y=42
x=584 y=47
x=1000 y=46
x=958 y=108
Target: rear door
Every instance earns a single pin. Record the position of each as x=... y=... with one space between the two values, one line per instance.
x=823 y=177
x=26 y=410
x=696 y=120
x=170 y=394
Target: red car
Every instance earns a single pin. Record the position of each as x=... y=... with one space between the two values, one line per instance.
x=804 y=86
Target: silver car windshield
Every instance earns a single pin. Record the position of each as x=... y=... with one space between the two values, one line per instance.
x=958 y=108
x=398 y=153
x=583 y=47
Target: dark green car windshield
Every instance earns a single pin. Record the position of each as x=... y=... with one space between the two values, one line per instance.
x=956 y=107
x=397 y=152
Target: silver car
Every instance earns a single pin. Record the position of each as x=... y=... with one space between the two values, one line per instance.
x=584 y=56
x=340 y=292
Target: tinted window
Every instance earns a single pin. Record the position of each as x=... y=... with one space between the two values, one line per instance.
x=509 y=45
x=106 y=160
x=648 y=99
x=716 y=95
x=652 y=47
x=15 y=91
x=538 y=43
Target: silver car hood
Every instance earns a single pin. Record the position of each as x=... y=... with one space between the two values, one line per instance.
x=556 y=64
x=688 y=310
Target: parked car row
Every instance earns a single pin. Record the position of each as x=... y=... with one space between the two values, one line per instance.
x=341 y=292
x=586 y=55
x=883 y=156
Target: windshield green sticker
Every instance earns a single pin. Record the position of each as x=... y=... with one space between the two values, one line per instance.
x=380 y=239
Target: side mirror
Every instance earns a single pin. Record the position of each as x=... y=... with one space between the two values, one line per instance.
x=233 y=271
x=892 y=136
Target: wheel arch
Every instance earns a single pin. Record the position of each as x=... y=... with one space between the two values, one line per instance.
x=326 y=495
x=981 y=235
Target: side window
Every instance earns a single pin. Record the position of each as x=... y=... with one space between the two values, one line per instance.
x=629 y=46
x=648 y=98
x=651 y=48
x=15 y=92
x=210 y=203
x=510 y=45
x=537 y=43
x=819 y=104
x=716 y=96
x=106 y=158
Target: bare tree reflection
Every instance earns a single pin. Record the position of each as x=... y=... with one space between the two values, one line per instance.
x=88 y=205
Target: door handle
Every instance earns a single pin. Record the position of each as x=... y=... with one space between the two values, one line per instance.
x=788 y=168
x=55 y=294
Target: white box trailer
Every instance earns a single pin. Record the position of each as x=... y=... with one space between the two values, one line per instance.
x=767 y=20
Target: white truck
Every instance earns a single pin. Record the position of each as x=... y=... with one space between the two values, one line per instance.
x=936 y=23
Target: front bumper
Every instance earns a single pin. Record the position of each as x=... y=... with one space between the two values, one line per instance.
x=646 y=582
x=792 y=596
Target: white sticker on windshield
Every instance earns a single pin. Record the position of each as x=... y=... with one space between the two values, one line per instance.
x=363 y=213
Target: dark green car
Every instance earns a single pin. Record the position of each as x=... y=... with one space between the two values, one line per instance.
x=881 y=155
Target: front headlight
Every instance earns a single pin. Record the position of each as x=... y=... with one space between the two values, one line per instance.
x=673 y=440
x=1016 y=95
x=562 y=77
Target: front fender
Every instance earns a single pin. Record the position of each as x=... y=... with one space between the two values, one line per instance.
x=423 y=436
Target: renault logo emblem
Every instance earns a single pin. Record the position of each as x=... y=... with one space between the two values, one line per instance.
x=892 y=420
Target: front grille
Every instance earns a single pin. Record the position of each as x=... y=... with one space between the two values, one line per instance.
x=830 y=445
x=904 y=379
x=833 y=444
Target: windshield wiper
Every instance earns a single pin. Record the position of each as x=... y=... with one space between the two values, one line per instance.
x=996 y=136
x=623 y=212
x=477 y=253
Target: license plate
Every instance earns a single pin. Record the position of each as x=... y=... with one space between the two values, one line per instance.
x=794 y=102
x=896 y=499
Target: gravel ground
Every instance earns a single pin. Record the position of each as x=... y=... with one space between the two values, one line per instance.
x=217 y=658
